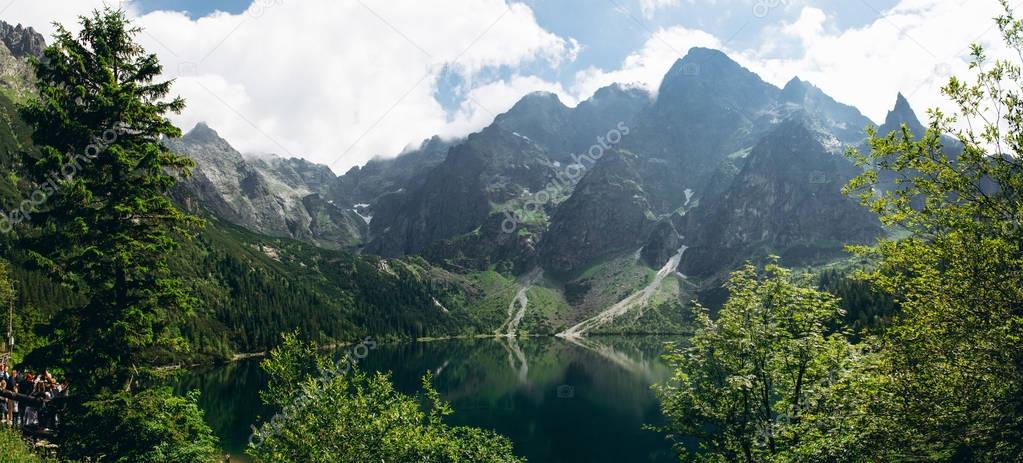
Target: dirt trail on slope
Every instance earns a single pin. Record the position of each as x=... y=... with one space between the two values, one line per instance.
x=635 y=300
x=518 y=305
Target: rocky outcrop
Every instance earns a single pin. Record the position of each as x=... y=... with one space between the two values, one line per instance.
x=786 y=200
x=23 y=42
x=607 y=214
x=17 y=45
x=663 y=243
x=276 y=197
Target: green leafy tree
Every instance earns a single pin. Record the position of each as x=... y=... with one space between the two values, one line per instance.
x=337 y=415
x=106 y=228
x=747 y=381
x=947 y=380
x=150 y=426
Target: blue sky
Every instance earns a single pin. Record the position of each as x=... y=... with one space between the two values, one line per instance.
x=194 y=8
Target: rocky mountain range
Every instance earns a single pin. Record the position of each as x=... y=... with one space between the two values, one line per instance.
x=271 y=195
x=718 y=160
x=606 y=217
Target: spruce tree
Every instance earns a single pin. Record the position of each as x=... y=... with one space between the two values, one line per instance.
x=101 y=178
x=106 y=227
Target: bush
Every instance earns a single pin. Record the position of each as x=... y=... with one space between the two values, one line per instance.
x=15 y=450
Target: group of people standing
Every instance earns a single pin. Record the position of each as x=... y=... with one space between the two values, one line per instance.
x=29 y=414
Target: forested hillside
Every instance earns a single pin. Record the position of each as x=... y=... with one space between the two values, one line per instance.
x=251 y=287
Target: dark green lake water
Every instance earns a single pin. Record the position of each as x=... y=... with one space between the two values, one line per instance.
x=558 y=401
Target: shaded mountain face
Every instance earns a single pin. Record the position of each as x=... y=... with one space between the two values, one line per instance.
x=524 y=153
x=277 y=197
x=786 y=200
x=607 y=214
x=494 y=166
x=365 y=184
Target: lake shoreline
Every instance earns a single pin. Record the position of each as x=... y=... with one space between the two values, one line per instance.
x=243 y=356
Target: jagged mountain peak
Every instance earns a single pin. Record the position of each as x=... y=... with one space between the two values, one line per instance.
x=901 y=102
x=821 y=111
x=704 y=64
x=203 y=133
x=902 y=113
x=618 y=90
x=703 y=55
x=538 y=101
x=22 y=41
x=795 y=89
x=707 y=73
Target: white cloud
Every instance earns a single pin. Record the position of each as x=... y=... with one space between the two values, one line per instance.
x=483 y=103
x=645 y=67
x=912 y=48
x=313 y=78
x=650 y=7
x=335 y=81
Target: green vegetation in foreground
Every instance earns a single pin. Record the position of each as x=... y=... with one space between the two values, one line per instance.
x=748 y=383
x=15 y=450
x=358 y=417
x=942 y=380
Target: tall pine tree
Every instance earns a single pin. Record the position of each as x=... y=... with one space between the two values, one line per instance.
x=101 y=178
x=107 y=228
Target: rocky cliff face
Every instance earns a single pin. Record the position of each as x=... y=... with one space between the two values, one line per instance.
x=607 y=214
x=22 y=41
x=17 y=45
x=277 y=197
x=786 y=200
